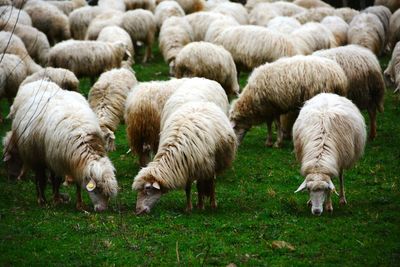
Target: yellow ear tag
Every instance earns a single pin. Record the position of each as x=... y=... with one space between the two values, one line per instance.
x=91 y=186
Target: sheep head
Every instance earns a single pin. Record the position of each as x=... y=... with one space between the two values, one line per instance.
x=149 y=192
x=319 y=186
x=11 y=157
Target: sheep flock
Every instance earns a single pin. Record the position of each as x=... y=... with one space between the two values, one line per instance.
x=312 y=69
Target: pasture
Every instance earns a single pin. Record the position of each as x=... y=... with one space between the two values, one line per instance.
x=256 y=208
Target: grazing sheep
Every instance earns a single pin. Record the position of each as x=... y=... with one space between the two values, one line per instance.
x=367 y=30
x=200 y=23
x=141 y=26
x=393 y=5
x=252 y=46
x=87 y=58
x=112 y=4
x=234 y=10
x=167 y=9
x=311 y=37
x=175 y=33
x=12 y=44
x=329 y=136
x=202 y=59
x=64 y=78
x=314 y=14
x=338 y=27
x=277 y=88
x=346 y=13
x=196 y=144
x=311 y=3
x=250 y=4
x=284 y=25
x=192 y=6
x=143 y=109
x=218 y=26
x=35 y=41
x=5 y=3
x=392 y=72
x=80 y=19
x=113 y=34
x=68 y=6
x=65 y=136
x=394 y=30
x=13 y=164
x=383 y=13
x=364 y=74
x=264 y=12
x=143 y=4
x=14 y=15
x=106 y=18
x=107 y=99
x=49 y=20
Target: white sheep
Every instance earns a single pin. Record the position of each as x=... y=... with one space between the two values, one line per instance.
x=49 y=20
x=264 y=12
x=192 y=6
x=68 y=6
x=383 y=13
x=314 y=14
x=87 y=58
x=142 y=115
x=203 y=59
x=64 y=78
x=112 y=4
x=218 y=26
x=144 y=4
x=234 y=10
x=392 y=72
x=15 y=15
x=329 y=137
x=393 y=5
x=167 y=9
x=113 y=34
x=196 y=144
x=394 y=30
x=283 y=24
x=311 y=3
x=175 y=33
x=109 y=17
x=107 y=99
x=367 y=30
x=346 y=13
x=141 y=26
x=364 y=74
x=65 y=135
x=12 y=44
x=338 y=27
x=276 y=88
x=80 y=19
x=200 y=22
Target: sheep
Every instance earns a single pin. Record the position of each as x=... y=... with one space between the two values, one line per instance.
x=218 y=26
x=196 y=144
x=234 y=10
x=364 y=74
x=12 y=72
x=112 y=4
x=175 y=33
x=276 y=88
x=87 y=58
x=14 y=166
x=14 y=15
x=104 y=19
x=367 y=30
x=311 y=37
x=264 y=12
x=167 y=9
x=338 y=27
x=329 y=137
x=35 y=41
x=113 y=34
x=201 y=21
x=80 y=19
x=394 y=30
x=383 y=13
x=311 y=3
x=5 y=3
x=195 y=89
x=314 y=14
x=284 y=25
x=65 y=136
x=68 y=6
x=192 y=6
x=252 y=46
x=49 y=20
x=346 y=13
x=203 y=59
x=143 y=108
x=64 y=78
x=107 y=99
x=393 y=5
x=141 y=26
x=144 y=4
x=12 y=44
x=392 y=72
x=250 y=4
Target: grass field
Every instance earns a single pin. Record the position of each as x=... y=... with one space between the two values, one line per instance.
x=257 y=206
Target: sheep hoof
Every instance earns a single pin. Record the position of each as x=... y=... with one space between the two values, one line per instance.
x=200 y=206
x=268 y=143
x=213 y=205
x=81 y=206
x=342 y=201
x=189 y=208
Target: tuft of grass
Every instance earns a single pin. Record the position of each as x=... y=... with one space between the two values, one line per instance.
x=259 y=220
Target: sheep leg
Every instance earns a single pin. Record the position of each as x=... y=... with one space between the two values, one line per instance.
x=40 y=179
x=188 y=190
x=279 y=132
x=213 y=201
x=79 y=203
x=372 y=120
x=342 y=197
x=268 y=142
x=328 y=203
x=200 y=194
x=148 y=53
x=57 y=196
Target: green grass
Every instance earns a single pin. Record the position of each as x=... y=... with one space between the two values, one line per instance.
x=256 y=207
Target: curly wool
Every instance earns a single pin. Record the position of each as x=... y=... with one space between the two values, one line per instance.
x=167 y=9
x=14 y=15
x=12 y=72
x=283 y=24
x=80 y=19
x=108 y=17
x=338 y=27
x=264 y=12
x=234 y=10
x=203 y=59
x=68 y=6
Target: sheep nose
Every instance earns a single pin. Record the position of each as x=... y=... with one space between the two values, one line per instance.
x=316 y=211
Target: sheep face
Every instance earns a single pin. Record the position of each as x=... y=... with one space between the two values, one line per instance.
x=99 y=199
x=11 y=157
x=147 y=197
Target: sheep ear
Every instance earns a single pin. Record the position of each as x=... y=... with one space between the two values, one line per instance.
x=302 y=187
x=156 y=185
x=91 y=185
x=331 y=186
